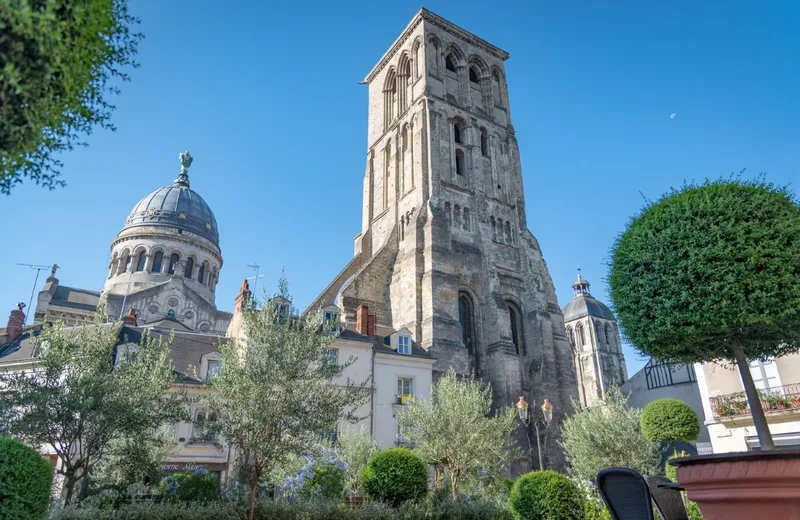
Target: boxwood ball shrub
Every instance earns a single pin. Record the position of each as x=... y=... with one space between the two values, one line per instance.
x=546 y=495
x=395 y=476
x=25 y=479
x=669 y=420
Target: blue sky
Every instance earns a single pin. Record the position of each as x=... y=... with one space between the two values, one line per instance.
x=267 y=98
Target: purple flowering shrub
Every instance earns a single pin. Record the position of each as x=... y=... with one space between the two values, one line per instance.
x=322 y=477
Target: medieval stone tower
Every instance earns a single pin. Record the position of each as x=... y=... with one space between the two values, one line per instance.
x=444 y=248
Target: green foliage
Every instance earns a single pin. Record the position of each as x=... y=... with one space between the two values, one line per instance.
x=355 y=447
x=267 y=510
x=322 y=477
x=60 y=59
x=273 y=396
x=25 y=479
x=710 y=267
x=135 y=459
x=546 y=495
x=395 y=476
x=458 y=431
x=669 y=420
x=595 y=509
x=606 y=436
x=80 y=401
x=198 y=486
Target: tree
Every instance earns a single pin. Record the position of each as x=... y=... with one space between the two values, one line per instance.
x=78 y=399
x=279 y=389
x=25 y=479
x=60 y=59
x=132 y=459
x=607 y=435
x=355 y=447
x=670 y=420
x=458 y=431
x=711 y=273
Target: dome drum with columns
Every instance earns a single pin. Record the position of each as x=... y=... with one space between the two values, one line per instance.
x=166 y=259
x=593 y=334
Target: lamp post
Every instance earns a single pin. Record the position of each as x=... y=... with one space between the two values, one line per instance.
x=542 y=415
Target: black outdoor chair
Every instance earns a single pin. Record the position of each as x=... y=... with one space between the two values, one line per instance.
x=625 y=494
x=668 y=500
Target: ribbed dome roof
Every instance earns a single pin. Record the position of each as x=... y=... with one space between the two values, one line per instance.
x=176 y=206
x=584 y=304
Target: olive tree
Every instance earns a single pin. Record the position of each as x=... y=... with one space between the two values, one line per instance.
x=279 y=388
x=457 y=429
x=711 y=273
x=59 y=60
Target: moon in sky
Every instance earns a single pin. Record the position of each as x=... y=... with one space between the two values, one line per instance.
x=672 y=115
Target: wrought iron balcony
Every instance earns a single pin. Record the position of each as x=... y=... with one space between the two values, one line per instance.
x=775 y=400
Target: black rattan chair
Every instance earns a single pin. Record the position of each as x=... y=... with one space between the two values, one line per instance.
x=625 y=494
x=669 y=502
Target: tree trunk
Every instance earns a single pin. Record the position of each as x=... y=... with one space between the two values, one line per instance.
x=69 y=485
x=753 y=400
x=253 y=486
x=453 y=486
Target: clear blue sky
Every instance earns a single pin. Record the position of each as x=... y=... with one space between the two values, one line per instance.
x=267 y=99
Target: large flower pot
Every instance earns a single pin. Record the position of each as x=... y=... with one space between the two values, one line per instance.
x=747 y=485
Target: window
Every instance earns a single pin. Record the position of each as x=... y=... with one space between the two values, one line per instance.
x=213 y=370
x=765 y=374
x=473 y=75
x=403 y=345
x=127 y=264
x=457 y=133
x=405 y=388
x=331 y=318
x=581 y=336
x=140 y=261
x=204 y=430
x=330 y=357
x=466 y=219
x=571 y=336
x=449 y=63
x=465 y=319
x=515 y=323
x=484 y=143
x=157 y=260
x=608 y=334
x=187 y=272
x=173 y=262
x=459 y=162
x=201 y=274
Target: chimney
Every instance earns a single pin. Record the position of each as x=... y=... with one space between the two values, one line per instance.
x=362 y=320
x=371 y=325
x=15 y=321
x=130 y=318
x=243 y=298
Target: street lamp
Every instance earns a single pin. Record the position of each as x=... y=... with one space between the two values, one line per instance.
x=542 y=415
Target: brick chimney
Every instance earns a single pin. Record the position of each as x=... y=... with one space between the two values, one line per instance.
x=243 y=298
x=371 y=326
x=362 y=319
x=130 y=318
x=15 y=322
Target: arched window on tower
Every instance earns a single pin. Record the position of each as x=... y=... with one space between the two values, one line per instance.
x=473 y=75
x=173 y=263
x=201 y=275
x=484 y=143
x=466 y=319
x=459 y=162
x=608 y=334
x=187 y=272
x=158 y=259
x=141 y=261
x=389 y=98
x=112 y=270
x=571 y=336
x=126 y=263
x=580 y=334
x=515 y=322
x=457 y=133
x=598 y=334
x=496 y=89
x=450 y=63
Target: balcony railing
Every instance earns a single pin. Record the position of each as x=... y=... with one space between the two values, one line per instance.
x=786 y=397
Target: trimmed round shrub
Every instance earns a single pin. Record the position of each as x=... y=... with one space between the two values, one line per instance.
x=395 y=476
x=670 y=420
x=546 y=495
x=25 y=480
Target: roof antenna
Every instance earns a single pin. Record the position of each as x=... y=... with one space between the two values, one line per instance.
x=39 y=269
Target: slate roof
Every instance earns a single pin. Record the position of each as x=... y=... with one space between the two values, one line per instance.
x=585 y=305
x=63 y=294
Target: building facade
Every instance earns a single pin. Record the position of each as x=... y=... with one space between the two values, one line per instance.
x=444 y=249
x=594 y=337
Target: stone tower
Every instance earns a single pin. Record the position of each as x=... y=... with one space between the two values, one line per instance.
x=444 y=248
x=594 y=337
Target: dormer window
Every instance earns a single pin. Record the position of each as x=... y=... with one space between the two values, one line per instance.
x=214 y=368
x=404 y=345
x=210 y=366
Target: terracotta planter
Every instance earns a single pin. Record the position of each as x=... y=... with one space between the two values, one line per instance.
x=746 y=485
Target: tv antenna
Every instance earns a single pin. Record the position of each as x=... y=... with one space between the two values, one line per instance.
x=39 y=269
x=255 y=278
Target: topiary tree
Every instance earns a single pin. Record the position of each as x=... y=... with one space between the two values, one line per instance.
x=546 y=495
x=395 y=476
x=711 y=272
x=670 y=420
x=25 y=480
x=60 y=60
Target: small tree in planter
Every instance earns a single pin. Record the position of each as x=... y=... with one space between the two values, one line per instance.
x=710 y=273
x=670 y=420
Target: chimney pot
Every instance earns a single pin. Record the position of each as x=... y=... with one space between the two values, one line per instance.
x=15 y=321
x=130 y=318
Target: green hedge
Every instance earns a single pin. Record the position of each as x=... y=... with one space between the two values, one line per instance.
x=395 y=476
x=25 y=480
x=546 y=495
x=425 y=510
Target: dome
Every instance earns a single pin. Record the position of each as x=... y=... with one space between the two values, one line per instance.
x=175 y=206
x=584 y=304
